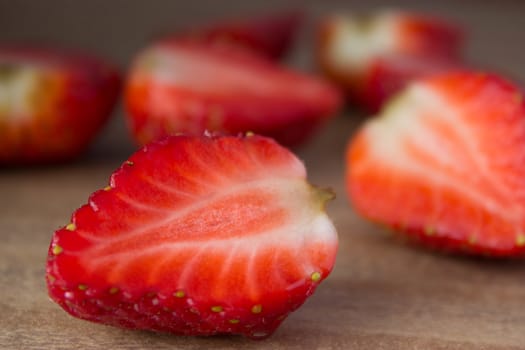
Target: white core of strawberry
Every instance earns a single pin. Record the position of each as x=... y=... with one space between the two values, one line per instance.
x=355 y=42
x=19 y=87
x=404 y=119
x=183 y=67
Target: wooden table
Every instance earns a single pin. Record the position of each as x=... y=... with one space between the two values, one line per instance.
x=382 y=294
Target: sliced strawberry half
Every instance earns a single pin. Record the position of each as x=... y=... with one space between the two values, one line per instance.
x=191 y=87
x=52 y=103
x=270 y=36
x=444 y=164
x=197 y=236
x=365 y=53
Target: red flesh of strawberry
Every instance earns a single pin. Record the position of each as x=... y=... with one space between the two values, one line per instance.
x=52 y=103
x=444 y=164
x=191 y=87
x=196 y=236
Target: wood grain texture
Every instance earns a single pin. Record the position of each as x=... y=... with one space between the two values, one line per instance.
x=383 y=294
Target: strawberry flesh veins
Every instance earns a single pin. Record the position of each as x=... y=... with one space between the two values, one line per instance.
x=443 y=163
x=196 y=236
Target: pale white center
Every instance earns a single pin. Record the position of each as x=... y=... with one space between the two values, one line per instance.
x=17 y=91
x=214 y=73
x=355 y=41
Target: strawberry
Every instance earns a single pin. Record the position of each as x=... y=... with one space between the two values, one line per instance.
x=374 y=57
x=52 y=103
x=190 y=87
x=443 y=164
x=196 y=235
x=269 y=36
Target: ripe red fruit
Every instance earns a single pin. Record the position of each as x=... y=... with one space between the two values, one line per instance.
x=52 y=103
x=196 y=236
x=191 y=87
x=443 y=164
x=269 y=36
x=374 y=57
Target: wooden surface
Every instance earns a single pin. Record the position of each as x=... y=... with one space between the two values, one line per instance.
x=382 y=294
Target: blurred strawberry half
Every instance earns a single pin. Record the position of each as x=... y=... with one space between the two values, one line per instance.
x=373 y=57
x=444 y=164
x=269 y=36
x=196 y=236
x=190 y=87
x=52 y=103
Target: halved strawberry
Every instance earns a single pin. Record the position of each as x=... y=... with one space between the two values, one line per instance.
x=365 y=53
x=52 y=103
x=199 y=236
x=444 y=164
x=269 y=36
x=191 y=87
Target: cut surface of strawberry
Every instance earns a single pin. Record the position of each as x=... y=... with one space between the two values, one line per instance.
x=191 y=87
x=52 y=103
x=270 y=36
x=197 y=236
x=352 y=48
x=443 y=164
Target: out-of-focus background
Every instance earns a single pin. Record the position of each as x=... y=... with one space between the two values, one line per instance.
x=381 y=294
x=117 y=29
